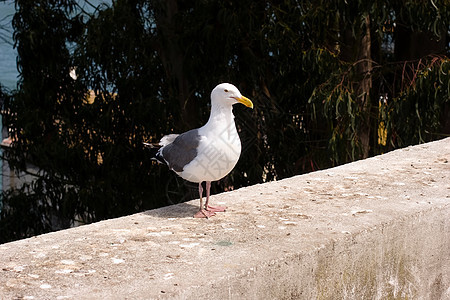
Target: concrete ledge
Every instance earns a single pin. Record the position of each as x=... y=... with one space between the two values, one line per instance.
x=373 y=229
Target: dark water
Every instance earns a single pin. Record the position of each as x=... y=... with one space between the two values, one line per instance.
x=8 y=69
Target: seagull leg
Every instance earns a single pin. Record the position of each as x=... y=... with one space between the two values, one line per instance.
x=202 y=213
x=207 y=206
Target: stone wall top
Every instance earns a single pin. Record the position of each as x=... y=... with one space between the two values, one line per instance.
x=303 y=237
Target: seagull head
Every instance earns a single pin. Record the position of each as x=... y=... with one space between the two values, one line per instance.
x=226 y=94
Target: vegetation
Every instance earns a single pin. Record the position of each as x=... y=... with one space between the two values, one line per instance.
x=332 y=81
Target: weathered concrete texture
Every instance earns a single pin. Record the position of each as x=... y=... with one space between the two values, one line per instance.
x=373 y=229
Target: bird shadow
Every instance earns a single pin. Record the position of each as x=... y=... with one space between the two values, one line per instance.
x=181 y=210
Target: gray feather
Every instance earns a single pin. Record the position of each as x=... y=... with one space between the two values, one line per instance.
x=182 y=150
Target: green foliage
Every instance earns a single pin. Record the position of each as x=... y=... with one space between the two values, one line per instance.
x=420 y=105
x=314 y=69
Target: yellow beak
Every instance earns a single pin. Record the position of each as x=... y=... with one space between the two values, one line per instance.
x=244 y=100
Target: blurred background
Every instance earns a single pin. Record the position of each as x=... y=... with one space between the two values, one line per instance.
x=84 y=83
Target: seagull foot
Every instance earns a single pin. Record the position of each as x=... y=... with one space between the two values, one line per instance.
x=204 y=214
x=216 y=208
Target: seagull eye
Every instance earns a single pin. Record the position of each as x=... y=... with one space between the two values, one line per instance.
x=226 y=91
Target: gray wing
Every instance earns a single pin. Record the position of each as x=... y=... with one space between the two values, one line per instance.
x=182 y=150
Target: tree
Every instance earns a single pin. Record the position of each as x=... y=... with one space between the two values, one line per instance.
x=328 y=86
x=368 y=90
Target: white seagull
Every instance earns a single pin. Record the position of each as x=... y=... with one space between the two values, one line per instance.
x=207 y=153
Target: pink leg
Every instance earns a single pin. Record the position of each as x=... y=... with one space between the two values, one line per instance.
x=202 y=213
x=207 y=206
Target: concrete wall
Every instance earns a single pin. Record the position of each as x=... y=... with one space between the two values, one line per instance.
x=373 y=229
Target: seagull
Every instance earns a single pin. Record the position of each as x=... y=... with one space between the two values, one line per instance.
x=207 y=153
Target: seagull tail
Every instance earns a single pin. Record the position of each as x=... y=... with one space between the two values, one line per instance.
x=154 y=152
x=150 y=145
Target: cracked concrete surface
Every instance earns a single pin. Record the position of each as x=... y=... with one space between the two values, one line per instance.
x=373 y=229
